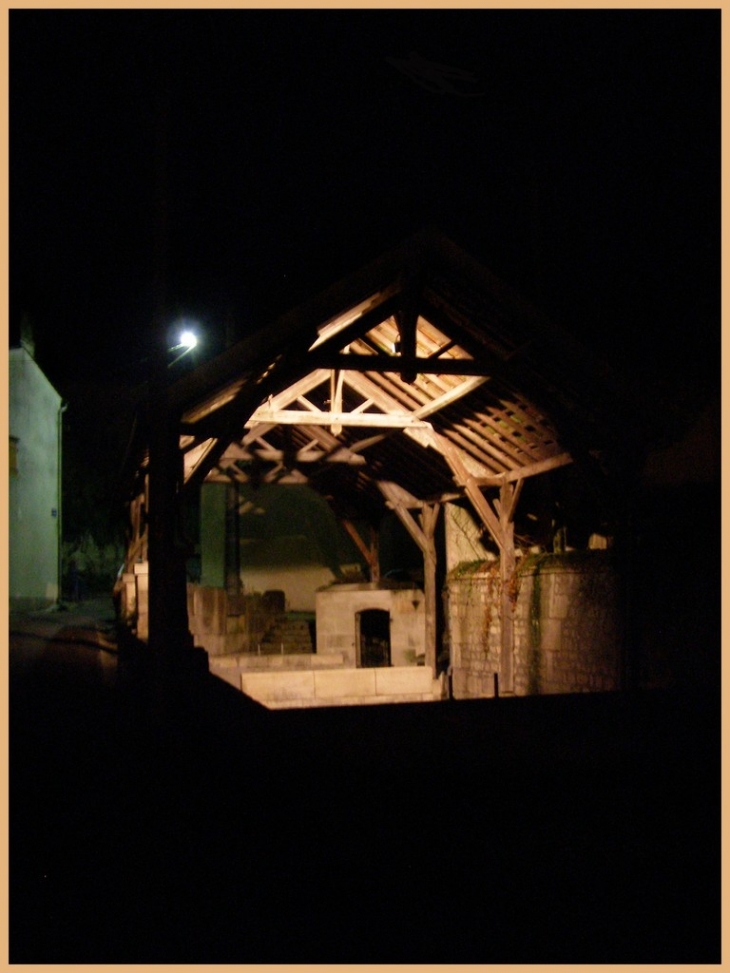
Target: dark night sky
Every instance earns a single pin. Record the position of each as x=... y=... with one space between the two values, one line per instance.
x=576 y=153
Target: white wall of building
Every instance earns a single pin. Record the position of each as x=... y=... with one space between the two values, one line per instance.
x=463 y=537
x=299 y=583
x=34 y=495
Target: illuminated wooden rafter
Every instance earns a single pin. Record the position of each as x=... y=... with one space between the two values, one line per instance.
x=397 y=364
x=453 y=395
x=362 y=420
x=308 y=454
x=299 y=389
x=524 y=472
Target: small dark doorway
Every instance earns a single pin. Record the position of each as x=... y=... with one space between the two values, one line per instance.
x=373 y=638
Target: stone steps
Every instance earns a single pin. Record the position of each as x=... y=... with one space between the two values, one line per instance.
x=288 y=635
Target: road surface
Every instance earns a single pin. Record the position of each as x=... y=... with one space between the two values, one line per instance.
x=209 y=830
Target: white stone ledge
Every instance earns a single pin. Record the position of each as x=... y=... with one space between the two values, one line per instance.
x=265 y=686
x=333 y=687
x=403 y=679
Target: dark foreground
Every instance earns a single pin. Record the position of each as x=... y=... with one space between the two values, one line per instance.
x=200 y=828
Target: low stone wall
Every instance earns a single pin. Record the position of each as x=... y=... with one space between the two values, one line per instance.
x=225 y=625
x=220 y=624
x=315 y=683
x=566 y=625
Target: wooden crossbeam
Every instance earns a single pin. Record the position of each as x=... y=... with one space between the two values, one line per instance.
x=308 y=454
x=375 y=420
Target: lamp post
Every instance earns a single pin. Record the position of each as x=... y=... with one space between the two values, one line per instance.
x=170 y=641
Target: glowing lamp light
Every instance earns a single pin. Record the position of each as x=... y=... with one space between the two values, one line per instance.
x=187 y=341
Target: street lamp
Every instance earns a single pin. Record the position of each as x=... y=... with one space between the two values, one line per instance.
x=188 y=341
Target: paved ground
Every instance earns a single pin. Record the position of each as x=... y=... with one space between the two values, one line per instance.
x=197 y=827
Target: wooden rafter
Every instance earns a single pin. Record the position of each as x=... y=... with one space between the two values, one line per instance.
x=302 y=387
x=368 y=551
x=308 y=454
x=397 y=363
x=469 y=484
x=451 y=396
x=524 y=472
x=361 y=420
x=356 y=322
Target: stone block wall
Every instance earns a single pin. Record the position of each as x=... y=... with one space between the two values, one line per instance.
x=337 y=608
x=315 y=683
x=566 y=625
x=219 y=623
x=225 y=625
x=474 y=627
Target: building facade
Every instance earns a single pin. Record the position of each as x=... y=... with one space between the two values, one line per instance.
x=35 y=484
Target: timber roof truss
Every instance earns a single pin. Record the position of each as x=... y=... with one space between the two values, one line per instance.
x=422 y=371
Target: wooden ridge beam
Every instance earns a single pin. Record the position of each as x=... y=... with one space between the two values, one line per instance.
x=398 y=364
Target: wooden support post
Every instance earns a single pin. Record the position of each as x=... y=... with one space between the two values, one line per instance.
x=336 y=380
x=169 y=637
x=501 y=526
x=424 y=536
x=407 y=320
x=508 y=496
x=429 y=519
x=628 y=675
x=232 y=541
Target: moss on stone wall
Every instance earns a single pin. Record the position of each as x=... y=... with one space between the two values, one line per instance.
x=565 y=622
x=467 y=569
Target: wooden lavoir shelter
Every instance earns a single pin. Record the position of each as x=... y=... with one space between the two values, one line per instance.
x=417 y=382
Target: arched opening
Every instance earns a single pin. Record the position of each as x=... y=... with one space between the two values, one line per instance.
x=373 y=638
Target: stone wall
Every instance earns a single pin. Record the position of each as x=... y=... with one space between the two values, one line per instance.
x=290 y=682
x=337 y=609
x=473 y=627
x=224 y=625
x=219 y=623
x=566 y=622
